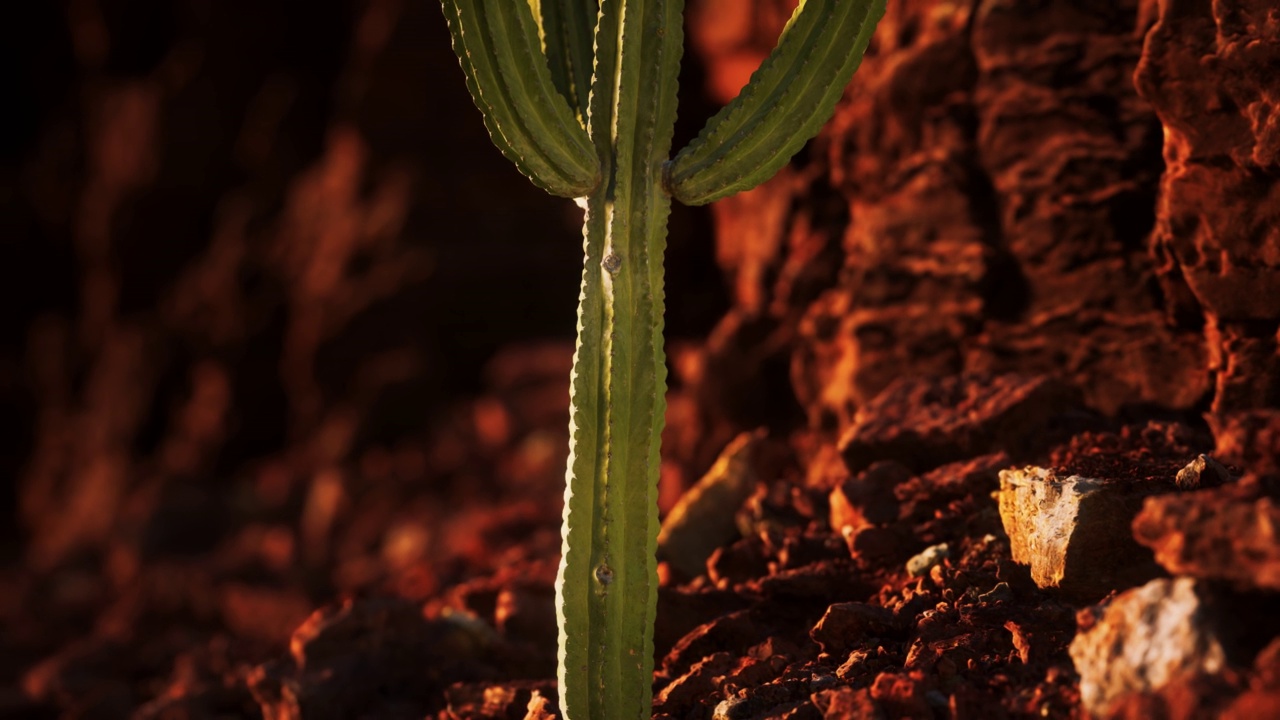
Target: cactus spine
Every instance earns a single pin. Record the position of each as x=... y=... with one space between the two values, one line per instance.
x=581 y=96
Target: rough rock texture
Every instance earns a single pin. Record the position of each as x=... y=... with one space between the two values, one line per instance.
x=346 y=659
x=1176 y=648
x=1071 y=523
x=1248 y=439
x=1227 y=533
x=925 y=422
x=1217 y=236
x=1202 y=472
x=1146 y=638
x=998 y=211
x=289 y=339
x=1073 y=531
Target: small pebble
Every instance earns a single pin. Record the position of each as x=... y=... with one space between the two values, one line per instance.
x=1204 y=471
x=921 y=564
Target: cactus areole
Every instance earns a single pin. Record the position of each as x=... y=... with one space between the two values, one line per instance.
x=581 y=96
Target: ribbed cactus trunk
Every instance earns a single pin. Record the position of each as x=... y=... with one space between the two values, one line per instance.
x=608 y=574
x=581 y=96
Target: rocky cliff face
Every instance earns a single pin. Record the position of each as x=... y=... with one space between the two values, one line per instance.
x=1080 y=189
x=1010 y=324
x=1075 y=190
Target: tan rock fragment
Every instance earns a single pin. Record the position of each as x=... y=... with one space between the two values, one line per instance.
x=1204 y=471
x=703 y=519
x=1073 y=531
x=1145 y=639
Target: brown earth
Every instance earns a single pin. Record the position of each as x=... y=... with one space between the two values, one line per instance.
x=287 y=351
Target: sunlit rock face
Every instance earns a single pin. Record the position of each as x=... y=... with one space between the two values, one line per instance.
x=1217 y=234
x=1008 y=198
x=251 y=292
x=983 y=201
x=1145 y=639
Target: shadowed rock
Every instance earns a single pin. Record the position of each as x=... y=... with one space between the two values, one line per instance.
x=1224 y=533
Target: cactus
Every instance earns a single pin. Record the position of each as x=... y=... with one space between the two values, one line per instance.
x=581 y=96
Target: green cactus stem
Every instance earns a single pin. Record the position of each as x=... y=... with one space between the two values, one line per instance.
x=581 y=96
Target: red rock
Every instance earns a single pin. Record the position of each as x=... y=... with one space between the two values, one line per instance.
x=1194 y=697
x=1249 y=365
x=738 y=562
x=923 y=423
x=1203 y=72
x=830 y=579
x=845 y=625
x=1267 y=666
x=680 y=611
x=847 y=704
x=347 y=658
x=879 y=546
x=1021 y=640
x=702 y=680
x=780 y=699
x=1226 y=533
x=1069 y=165
x=809 y=548
x=925 y=497
x=735 y=629
x=996 y=246
x=1254 y=704
x=527 y=613
x=1151 y=454
x=901 y=695
x=265 y=613
x=755 y=669
x=1249 y=440
x=867 y=499
x=78 y=679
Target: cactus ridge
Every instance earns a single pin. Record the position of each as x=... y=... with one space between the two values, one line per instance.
x=568 y=36
x=511 y=83
x=581 y=95
x=787 y=101
x=611 y=510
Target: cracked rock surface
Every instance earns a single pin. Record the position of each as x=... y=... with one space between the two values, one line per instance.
x=288 y=374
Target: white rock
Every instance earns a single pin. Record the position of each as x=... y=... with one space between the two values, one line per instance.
x=1146 y=638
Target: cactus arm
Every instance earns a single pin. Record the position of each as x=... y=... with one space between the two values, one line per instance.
x=607 y=586
x=531 y=123
x=568 y=35
x=581 y=95
x=787 y=101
